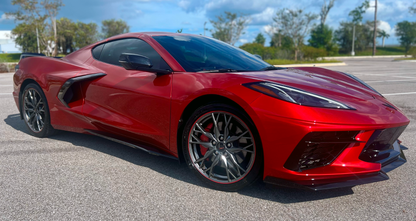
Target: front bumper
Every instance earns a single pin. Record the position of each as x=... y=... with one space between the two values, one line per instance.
x=395 y=160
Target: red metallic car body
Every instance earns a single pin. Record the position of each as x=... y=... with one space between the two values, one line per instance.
x=147 y=109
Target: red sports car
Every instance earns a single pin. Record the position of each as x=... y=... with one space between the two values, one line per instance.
x=229 y=115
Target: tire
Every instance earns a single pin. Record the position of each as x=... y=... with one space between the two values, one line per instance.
x=226 y=160
x=35 y=111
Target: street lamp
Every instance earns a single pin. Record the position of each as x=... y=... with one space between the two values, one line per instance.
x=353 y=39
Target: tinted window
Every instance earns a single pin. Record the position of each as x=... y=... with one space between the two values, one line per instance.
x=97 y=51
x=112 y=51
x=198 y=53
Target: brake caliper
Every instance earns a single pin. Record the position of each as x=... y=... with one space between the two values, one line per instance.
x=204 y=138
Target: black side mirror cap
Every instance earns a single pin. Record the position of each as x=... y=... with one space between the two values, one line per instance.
x=139 y=62
x=134 y=61
x=258 y=56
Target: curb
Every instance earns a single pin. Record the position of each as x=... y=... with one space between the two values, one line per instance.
x=313 y=65
x=360 y=57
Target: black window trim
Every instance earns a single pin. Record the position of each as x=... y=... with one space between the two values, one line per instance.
x=92 y=55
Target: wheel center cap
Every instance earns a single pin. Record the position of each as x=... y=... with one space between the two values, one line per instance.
x=221 y=147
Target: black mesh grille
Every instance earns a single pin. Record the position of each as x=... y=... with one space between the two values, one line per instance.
x=318 y=149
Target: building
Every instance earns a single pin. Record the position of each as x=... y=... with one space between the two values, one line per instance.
x=7 y=44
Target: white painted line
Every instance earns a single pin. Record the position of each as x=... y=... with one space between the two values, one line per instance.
x=390 y=81
x=403 y=77
x=399 y=94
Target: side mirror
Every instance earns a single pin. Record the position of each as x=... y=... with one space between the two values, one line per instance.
x=139 y=62
x=258 y=56
x=134 y=61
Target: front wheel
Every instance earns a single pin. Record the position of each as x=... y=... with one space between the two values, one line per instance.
x=222 y=146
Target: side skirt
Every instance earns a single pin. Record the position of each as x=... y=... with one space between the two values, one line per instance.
x=156 y=153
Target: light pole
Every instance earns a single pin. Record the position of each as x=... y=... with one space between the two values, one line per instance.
x=375 y=29
x=37 y=38
x=353 y=39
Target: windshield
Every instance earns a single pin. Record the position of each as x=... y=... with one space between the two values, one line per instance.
x=198 y=53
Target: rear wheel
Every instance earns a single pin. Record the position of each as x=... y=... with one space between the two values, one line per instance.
x=35 y=111
x=222 y=146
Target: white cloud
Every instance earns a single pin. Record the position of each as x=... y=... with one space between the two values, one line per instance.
x=265 y=17
x=4 y=17
x=386 y=27
x=243 y=41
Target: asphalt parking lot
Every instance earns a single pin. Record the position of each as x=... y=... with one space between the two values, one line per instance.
x=83 y=177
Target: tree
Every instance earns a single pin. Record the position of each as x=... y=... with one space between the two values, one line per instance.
x=113 y=27
x=25 y=36
x=66 y=33
x=383 y=34
x=85 y=34
x=412 y=9
x=357 y=13
x=325 y=10
x=52 y=7
x=406 y=31
x=322 y=37
x=363 y=35
x=34 y=13
x=295 y=24
x=260 y=39
x=230 y=27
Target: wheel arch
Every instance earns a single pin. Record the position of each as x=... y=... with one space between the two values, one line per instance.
x=198 y=102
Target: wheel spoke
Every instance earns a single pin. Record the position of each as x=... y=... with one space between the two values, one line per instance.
x=226 y=132
x=234 y=150
x=209 y=135
x=206 y=144
x=217 y=159
x=27 y=102
x=207 y=154
x=224 y=159
x=216 y=129
x=238 y=165
x=234 y=138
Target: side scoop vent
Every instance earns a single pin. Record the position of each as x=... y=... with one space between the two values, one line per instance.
x=69 y=89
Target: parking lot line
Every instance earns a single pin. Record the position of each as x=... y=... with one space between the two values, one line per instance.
x=399 y=94
x=391 y=81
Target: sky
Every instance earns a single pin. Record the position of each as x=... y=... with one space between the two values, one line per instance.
x=190 y=15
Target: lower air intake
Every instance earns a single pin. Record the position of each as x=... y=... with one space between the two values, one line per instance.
x=318 y=149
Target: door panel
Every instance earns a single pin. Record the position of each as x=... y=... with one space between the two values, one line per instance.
x=129 y=103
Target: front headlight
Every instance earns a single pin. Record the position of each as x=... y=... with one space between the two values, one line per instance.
x=296 y=96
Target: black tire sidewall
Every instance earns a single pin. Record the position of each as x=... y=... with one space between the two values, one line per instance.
x=256 y=170
x=47 y=130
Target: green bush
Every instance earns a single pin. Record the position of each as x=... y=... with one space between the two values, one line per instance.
x=412 y=52
x=311 y=53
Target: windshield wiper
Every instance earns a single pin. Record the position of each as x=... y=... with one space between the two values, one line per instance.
x=269 y=68
x=221 y=71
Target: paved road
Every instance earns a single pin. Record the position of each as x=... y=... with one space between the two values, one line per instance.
x=82 y=177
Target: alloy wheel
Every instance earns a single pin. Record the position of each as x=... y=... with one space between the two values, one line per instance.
x=34 y=110
x=221 y=147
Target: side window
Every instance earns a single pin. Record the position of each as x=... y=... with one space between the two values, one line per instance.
x=112 y=51
x=96 y=52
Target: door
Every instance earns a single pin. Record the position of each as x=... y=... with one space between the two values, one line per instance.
x=134 y=105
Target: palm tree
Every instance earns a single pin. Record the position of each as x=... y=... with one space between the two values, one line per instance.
x=383 y=34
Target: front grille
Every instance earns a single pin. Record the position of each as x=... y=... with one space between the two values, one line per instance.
x=380 y=145
x=318 y=149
